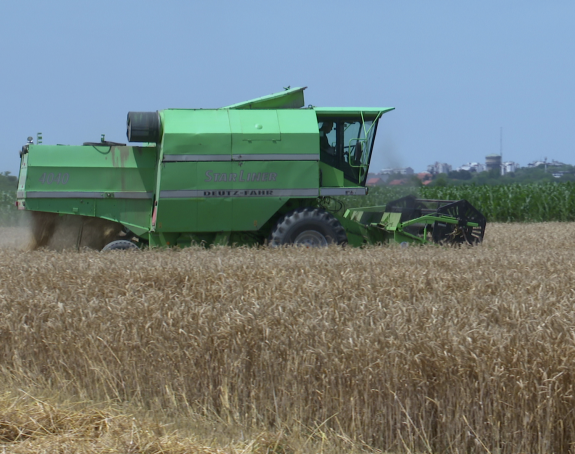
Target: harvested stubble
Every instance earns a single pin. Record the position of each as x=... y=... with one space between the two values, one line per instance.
x=417 y=349
x=30 y=425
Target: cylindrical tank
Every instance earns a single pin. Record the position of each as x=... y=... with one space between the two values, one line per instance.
x=144 y=127
x=493 y=161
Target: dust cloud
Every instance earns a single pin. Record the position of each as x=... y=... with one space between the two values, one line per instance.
x=56 y=232
x=17 y=236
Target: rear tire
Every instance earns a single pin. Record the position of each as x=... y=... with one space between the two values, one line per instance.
x=309 y=227
x=120 y=245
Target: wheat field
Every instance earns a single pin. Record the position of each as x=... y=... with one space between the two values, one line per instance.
x=383 y=349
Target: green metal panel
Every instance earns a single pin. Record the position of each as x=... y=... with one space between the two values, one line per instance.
x=87 y=168
x=358 y=234
x=282 y=132
x=132 y=213
x=262 y=188
x=349 y=184
x=205 y=132
x=251 y=215
x=275 y=175
x=85 y=207
x=258 y=124
x=177 y=214
x=201 y=134
x=214 y=175
x=187 y=200
x=112 y=182
x=179 y=176
x=215 y=212
x=299 y=129
x=161 y=239
x=291 y=98
x=230 y=196
x=330 y=176
x=242 y=135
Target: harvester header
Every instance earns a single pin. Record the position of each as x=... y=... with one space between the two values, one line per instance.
x=263 y=171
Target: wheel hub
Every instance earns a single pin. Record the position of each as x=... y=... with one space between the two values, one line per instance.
x=311 y=238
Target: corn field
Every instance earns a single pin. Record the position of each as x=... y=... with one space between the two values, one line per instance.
x=538 y=202
x=382 y=349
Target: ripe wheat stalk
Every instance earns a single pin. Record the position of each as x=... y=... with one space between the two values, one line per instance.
x=422 y=349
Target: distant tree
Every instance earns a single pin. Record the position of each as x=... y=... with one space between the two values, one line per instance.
x=460 y=174
x=440 y=180
x=8 y=182
x=414 y=181
x=494 y=173
x=567 y=177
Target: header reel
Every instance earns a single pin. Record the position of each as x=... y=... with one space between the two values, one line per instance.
x=446 y=222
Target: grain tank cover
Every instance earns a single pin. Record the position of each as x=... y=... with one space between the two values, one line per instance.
x=291 y=98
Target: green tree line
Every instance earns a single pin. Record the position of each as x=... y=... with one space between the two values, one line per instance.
x=8 y=213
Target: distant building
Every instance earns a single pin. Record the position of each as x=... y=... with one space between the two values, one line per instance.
x=424 y=176
x=473 y=167
x=493 y=161
x=560 y=173
x=398 y=170
x=545 y=163
x=397 y=182
x=510 y=166
x=438 y=167
x=376 y=181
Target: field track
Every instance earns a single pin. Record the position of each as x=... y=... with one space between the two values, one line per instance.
x=421 y=349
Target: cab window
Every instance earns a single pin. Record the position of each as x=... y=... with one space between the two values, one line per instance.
x=346 y=144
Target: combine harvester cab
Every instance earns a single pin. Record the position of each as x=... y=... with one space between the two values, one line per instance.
x=257 y=172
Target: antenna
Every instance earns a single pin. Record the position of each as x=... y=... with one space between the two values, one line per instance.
x=501 y=149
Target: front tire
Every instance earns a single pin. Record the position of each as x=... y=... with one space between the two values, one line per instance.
x=309 y=227
x=120 y=245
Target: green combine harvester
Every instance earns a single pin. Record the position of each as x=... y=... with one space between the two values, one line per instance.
x=265 y=171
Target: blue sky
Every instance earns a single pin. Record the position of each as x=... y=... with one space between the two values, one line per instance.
x=456 y=72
